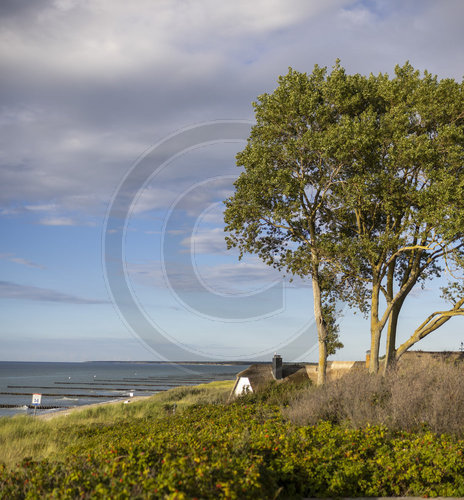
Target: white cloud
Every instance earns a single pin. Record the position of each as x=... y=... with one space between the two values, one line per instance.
x=63 y=221
x=193 y=193
x=223 y=278
x=88 y=86
x=358 y=17
x=58 y=221
x=19 y=260
x=154 y=198
x=41 y=208
x=110 y=38
x=206 y=241
x=9 y=290
x=245 y=277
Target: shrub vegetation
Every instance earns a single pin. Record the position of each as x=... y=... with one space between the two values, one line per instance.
x=417 y=396
x=258 y=446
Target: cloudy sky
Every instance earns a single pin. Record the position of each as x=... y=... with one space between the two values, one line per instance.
x=106 y=104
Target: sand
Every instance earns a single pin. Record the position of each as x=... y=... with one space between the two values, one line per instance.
x=68 y=411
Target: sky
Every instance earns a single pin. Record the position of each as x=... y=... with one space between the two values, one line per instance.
x=120 y=122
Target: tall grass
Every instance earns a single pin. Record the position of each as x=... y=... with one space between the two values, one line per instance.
x=416 y=396
x=27 y=436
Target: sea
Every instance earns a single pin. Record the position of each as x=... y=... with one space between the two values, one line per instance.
x=67 y=385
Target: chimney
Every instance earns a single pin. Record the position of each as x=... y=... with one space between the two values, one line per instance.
x=277 y=367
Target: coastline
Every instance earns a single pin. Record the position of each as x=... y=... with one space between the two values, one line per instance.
x=66 y=387
x=74 y=409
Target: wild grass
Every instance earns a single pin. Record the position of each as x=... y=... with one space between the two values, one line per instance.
x=244 y=449
x=417 y=396
x=256 y=446
x=27 y=436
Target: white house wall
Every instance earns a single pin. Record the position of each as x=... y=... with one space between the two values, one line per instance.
x=243 y=386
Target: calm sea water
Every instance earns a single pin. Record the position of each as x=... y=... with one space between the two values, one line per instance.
x=75 y=384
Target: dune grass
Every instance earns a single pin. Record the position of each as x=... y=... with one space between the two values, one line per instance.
x=24 y=436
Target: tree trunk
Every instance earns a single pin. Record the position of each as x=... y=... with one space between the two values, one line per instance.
x=375 y=347
x=390 y=356
x=321 y=329
x=410 y=272
x=375 y=331
x=392 y=321
x=322 y=365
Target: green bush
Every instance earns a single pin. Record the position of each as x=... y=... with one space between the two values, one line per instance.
x=279 y=394
x=241 y=450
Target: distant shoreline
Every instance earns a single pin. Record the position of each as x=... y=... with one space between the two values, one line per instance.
x=209 y=363
x=90 y=382
x=214 y=363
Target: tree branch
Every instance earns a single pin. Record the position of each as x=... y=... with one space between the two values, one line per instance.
x=432 y=323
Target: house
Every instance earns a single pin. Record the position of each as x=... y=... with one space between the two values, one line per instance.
x=259 y=375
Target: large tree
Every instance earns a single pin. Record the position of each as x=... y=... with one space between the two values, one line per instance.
x=406 y=197
x=282 y=201
x=358 y=183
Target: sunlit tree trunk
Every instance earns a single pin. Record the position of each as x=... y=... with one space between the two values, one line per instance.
x=390 y=356
x=376 y=330
x=321 y=330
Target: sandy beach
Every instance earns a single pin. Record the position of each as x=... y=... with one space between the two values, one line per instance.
x=68 y=411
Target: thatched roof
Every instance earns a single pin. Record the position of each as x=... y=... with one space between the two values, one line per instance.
x=260 y=375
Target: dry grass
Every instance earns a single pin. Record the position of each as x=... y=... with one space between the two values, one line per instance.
x=420 y=395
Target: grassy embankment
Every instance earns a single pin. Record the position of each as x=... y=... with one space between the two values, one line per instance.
x=25 y=436
x=285 y=442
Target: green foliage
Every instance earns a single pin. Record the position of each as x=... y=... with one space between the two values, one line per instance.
x=276 y=394
x=242 y=450
x=329 y=314
x=454 y=292
x=281 y=206
x=356 y=182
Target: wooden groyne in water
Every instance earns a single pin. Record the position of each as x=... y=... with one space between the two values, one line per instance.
x=86 y=387
x=54 y=394
x=39 y=407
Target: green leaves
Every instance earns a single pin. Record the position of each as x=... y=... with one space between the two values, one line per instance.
x=360 y=178
x=243 y=450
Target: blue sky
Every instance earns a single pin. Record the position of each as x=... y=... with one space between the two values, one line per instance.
x=88 y=91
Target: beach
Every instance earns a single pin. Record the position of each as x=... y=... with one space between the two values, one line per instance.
x=67 y=411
